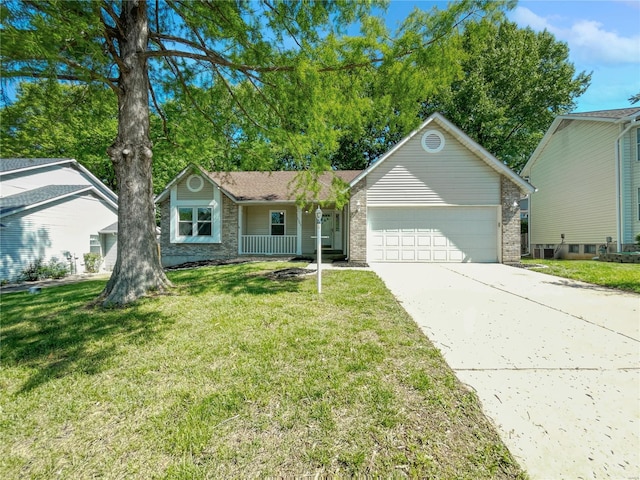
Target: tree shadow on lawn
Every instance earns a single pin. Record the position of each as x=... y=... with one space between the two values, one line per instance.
x=55 y=333
x=613 y=289
x=243 y=279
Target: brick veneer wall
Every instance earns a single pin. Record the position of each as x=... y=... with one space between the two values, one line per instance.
x=358 y=222
x=176 y=253
x=509 y=193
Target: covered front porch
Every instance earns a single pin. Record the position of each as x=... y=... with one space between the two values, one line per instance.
x=288 y=229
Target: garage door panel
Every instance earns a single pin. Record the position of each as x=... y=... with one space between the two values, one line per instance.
x=408 y=241
x=423 y=256
x=424 y=241
x=433 y=234
x=440 y=241
x=392 y=241
x=409 y=255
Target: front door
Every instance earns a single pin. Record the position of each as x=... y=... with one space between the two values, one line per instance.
x=328 y=220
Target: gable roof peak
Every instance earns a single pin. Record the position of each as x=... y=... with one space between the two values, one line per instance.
x=465 y=140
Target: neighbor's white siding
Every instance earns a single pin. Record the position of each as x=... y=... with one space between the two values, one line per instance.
x=50 y=231
x=575 y=177
x=52 y=175
x=110 y=251
x=453 y=176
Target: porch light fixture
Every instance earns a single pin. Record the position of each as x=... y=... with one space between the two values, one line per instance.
x=358 y=206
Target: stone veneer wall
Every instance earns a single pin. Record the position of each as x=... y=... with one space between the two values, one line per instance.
x=358 y=222
x=509 y=193
x=177 y=253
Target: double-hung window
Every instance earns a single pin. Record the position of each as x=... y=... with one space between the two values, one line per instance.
x=277 y=218
x=195 y=221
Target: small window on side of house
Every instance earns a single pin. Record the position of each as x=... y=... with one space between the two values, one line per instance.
x=277 y=219
x=574 y=248
x=94 y=244
x=590 y=248
x=638 y=144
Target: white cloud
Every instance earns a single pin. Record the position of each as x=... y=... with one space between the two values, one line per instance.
x=587 y=39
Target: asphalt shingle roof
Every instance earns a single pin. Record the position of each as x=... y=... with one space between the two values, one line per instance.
x=609 y=114
x=273 y=186
x=36 y=196
x=11 y=164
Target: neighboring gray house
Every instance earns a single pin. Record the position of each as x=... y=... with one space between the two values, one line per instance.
x=587 y=170
x=53 y=207
x=437 y=196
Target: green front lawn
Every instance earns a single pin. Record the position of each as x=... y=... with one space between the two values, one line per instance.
x=235 y=375
x=623 y=276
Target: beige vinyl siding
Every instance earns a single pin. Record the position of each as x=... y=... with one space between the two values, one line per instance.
x=183 y=192
x=308 y=231
x=575 y=177
x=257 y=220
x=635 y=186
x=453 y=176
x=627 y=193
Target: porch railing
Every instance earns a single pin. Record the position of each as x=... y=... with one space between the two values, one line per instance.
x=269 y=244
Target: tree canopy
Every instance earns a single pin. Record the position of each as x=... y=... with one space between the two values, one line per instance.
x=514 y=82
x=288 y=70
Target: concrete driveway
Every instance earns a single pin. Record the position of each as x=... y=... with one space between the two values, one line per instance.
x=555 y=363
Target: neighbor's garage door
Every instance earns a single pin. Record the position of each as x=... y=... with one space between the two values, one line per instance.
x=432 y=234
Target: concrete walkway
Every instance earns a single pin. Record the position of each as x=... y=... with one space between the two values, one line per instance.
x=555 y=362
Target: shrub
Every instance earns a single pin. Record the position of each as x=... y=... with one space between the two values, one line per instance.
x=92 y=262
x=33 y=271
x=38 y=270
x=56 y=269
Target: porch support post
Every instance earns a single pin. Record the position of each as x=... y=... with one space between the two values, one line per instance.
x=298 y=230
x=240 y=211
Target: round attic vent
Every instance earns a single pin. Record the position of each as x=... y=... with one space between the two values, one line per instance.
x=432 y=141
x=195 y=183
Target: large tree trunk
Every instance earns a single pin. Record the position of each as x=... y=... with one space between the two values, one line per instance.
x=137 y=270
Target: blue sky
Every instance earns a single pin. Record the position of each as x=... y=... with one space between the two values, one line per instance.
x=603 y=38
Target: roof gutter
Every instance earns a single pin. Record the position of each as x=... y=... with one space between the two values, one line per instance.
x=619 y=225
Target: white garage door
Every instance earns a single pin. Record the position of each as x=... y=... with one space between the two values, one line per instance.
x=432 y=234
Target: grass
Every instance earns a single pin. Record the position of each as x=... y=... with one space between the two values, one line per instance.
x=235 y=375
x=621 y=276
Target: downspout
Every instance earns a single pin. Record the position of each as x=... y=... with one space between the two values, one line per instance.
x=619 y=227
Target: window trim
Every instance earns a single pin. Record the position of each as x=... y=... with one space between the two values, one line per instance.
x=638 y=144
x=284 y=222
x=214 y=204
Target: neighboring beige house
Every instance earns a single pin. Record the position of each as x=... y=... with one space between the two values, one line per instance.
x=587 y=171
x=53 y=207
x=437 y=196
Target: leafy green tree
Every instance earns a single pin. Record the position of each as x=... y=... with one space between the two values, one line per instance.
x=271 y=53
x=51 y=120
x=514 y=82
